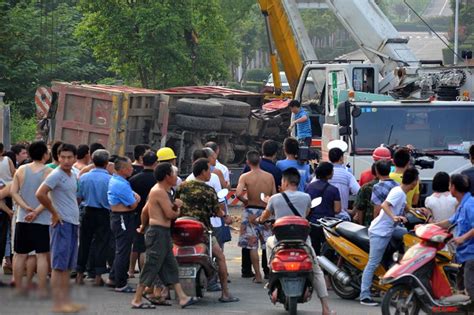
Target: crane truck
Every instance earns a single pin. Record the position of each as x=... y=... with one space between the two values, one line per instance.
x=386 y=101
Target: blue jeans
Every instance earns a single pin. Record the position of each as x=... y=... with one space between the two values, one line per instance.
x=378 y=244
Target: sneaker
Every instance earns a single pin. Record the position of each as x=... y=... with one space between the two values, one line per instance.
x=368 y=302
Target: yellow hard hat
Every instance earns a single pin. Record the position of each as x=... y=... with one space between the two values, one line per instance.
x=165 y=154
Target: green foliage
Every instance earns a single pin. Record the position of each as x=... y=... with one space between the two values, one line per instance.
x=37 y=46
x=257 y=75
x=158 y=43
x=22 y=129
x=398 y=11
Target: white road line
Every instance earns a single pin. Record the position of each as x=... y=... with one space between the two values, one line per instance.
x=444 y=7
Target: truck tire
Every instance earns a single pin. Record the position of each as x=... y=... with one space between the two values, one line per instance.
x=233 y=108
x=200 y=108
x=233 y=124
x=272 y=132
x=198 y=123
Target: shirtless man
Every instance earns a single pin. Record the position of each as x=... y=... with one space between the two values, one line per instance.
x=83 y=157
x=255 y=182
x=156 y=218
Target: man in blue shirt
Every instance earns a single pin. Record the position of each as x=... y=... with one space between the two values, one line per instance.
x=291 y=148
x=302 y=122
x=464 y=233
x=95 y=223
x=123 y=201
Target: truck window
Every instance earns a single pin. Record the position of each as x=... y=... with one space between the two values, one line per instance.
x=432 y=128
x=313 y=87
x=363 y=80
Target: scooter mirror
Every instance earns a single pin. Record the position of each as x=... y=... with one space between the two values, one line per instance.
x=316 y=202
x=222 y=193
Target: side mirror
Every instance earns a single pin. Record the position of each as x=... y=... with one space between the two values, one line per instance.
x=344 y=114
x=356 y=112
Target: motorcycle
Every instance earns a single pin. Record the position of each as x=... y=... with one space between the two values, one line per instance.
x=291 y=264
x=346 y=253
x=193 y=251
x=421 y=280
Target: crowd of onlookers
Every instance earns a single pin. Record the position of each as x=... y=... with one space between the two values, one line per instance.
x=81 y=211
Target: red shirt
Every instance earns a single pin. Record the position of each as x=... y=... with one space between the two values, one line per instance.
x=366 y=176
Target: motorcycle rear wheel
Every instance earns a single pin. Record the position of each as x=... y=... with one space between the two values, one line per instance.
x=291 y=305
x=400 y=299
x=346 y=292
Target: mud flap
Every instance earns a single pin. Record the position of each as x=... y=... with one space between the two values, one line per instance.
x=293 y=287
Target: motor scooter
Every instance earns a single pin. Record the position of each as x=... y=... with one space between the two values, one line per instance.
x=421 y=279
x=192 y=247
x=291 y=263
x=346 y=253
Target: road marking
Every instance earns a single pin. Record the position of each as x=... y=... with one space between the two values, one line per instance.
x=444 y=7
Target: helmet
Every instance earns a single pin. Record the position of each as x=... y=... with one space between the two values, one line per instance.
x=381 y=153
x=165 y=154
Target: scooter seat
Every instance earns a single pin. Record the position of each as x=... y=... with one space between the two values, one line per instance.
x=355 y=233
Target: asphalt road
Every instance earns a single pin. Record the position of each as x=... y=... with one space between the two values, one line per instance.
x=438 y=8
x=253 y=299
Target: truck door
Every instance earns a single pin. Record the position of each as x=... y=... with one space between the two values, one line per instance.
x=336 y=81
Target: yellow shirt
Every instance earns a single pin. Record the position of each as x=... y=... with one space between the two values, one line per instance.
x=415 y=191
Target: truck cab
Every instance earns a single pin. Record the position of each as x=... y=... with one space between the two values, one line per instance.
x=320 y=87
x=440 y=129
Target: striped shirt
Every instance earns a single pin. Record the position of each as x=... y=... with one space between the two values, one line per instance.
x=381 y=190
x=346 y=184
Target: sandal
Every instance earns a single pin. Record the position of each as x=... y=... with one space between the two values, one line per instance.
x=125 y=289
x=191 y=301
x=229 y=299
x=155 y=300
x=143 y=306
x=256 y=281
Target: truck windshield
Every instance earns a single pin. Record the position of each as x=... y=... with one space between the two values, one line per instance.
x=437 y=128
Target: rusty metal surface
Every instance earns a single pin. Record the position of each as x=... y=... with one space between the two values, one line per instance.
x=120 y=89
x=208 y=90
x=82 y=116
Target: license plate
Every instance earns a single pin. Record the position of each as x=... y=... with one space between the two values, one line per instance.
x=187 y=272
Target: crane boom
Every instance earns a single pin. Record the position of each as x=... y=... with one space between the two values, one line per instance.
x=376 y=37
x=289 y=36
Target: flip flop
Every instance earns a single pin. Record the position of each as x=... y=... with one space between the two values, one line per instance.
x=143 y=306
x=229 y=299
x=156 y=300
x=191 y=301
x=127 y=289
x=255 y=280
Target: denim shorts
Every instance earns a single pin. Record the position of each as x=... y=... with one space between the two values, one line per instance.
x=64 y=246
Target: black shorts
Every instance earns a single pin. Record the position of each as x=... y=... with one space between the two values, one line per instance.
x=138 y=243
x=31 y=237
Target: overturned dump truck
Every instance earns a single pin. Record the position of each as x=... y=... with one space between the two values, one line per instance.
x=184 y=118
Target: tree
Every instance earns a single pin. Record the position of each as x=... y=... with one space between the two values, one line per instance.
x=157 y=44
x=246 y=31
x=36 y=46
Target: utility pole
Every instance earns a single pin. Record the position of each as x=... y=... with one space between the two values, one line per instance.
x=456 y=31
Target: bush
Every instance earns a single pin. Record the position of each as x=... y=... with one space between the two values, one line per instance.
x=257 y=75
x=22 y=129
